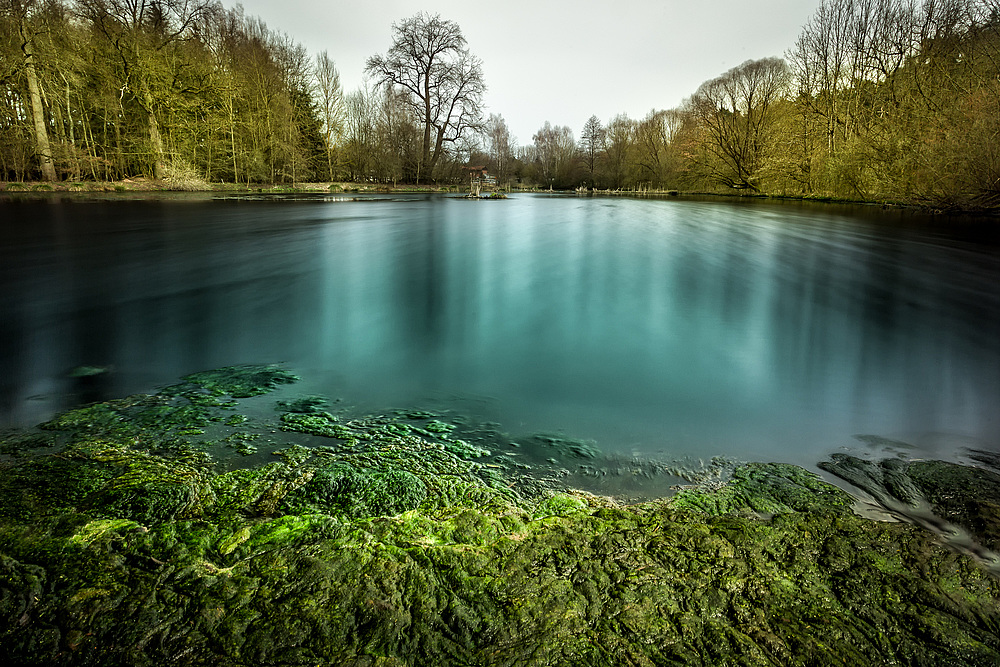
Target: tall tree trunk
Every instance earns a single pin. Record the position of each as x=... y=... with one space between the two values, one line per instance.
x=155 y=140
x=44 y=151
x=75 y=160
x=156 y=143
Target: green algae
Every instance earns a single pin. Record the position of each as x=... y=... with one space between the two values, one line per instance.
x=966 y=496
x=384 y=546
x=304 y=405
x=242 y=381
x=355 y=493
x=564 y=447
x=943 y=496
x=766 y=489
x=437 y=426
x=236 y=420
x=465 y=450
x=320 y=423
x=19 y=444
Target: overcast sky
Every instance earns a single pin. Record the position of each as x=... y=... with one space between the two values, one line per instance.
x=559 y=61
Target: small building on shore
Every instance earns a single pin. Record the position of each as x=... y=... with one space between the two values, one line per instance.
x=480 y=176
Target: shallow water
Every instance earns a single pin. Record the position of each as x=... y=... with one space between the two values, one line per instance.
x=663 y=328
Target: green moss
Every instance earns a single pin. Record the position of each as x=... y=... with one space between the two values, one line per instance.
x=437 y=426
x=16 y=444
x=242 y=381
x=236 y=420
x=353 y=492
x=304 y=405
x=766 y=488
x=320 y=423
x=560 y=504
x=390 y=548
x=465 y=450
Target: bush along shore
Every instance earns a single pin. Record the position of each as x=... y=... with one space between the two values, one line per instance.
x=184 y=528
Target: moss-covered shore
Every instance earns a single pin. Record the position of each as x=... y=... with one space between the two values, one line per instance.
x=159 y=529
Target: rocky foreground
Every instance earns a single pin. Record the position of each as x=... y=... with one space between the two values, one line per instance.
x=161 y=529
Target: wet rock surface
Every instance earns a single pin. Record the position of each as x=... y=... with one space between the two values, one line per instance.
x=132 y=532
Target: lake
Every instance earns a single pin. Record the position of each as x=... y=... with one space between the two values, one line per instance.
x=663 y=328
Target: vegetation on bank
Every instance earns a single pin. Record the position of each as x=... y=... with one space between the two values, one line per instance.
x=877 y=100
x=148 y=530
x=168 y=185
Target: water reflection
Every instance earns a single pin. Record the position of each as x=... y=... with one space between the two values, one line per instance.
x=683 y=327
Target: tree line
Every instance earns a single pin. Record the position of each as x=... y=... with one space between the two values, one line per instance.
x=108 y=89
x=111 y=89
x=877 y=99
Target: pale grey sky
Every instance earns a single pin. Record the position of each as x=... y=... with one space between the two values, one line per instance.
x=560 y=61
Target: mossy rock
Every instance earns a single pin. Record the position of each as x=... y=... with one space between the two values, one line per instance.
x=356 y=493
x=560 y=504
x=966 y=496
x=305 y=405
x=242 y=381
x=766 y=489
x=317 y=423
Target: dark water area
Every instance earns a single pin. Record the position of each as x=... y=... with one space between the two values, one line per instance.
x=662 y=328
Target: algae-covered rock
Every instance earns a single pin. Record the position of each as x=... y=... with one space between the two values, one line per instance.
x=766 y=488
x=304 y=405
x=317 y=423
x=887 y=480
x=969 y=497
x=343 y=489
x=242 y=381
x=465 y=449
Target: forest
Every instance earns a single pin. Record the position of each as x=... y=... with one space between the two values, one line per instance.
x=879 y=100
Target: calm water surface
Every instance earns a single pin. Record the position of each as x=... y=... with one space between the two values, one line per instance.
x=667 y=328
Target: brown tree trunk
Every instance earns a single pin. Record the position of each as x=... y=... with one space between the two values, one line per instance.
x=43 y=150
x=155 y=140
x=156 y=144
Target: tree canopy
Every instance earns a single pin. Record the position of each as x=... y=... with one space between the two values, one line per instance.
x=441 y=80
x=877 y=99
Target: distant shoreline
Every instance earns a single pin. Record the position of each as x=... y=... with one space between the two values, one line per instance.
x=141 y=185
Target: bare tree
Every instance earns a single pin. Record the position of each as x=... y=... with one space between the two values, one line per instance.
x=555 y=155
x=360 y=133
x=737 y=114
x=619 y=143
x=500 y=145
x=444 y=81
x=655 y=153
x=592 y=143
x=331 y=105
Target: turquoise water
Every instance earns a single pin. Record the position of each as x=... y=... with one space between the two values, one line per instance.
x=657 y=327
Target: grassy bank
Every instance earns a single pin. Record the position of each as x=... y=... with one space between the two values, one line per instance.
x=167 y=185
